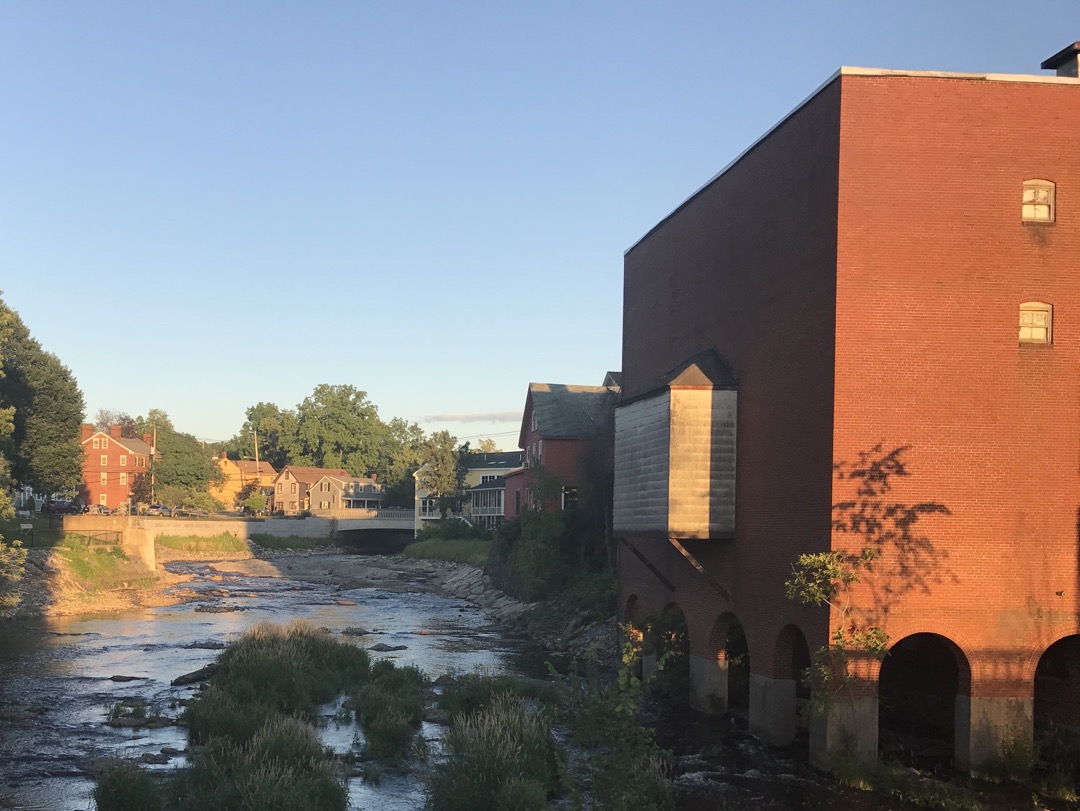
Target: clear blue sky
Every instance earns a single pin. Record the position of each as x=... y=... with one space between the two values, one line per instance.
x=204 y=205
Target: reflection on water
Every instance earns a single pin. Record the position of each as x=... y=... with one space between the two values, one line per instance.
x=56 y=688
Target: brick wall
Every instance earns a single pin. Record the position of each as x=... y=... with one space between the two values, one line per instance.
x=933 y=262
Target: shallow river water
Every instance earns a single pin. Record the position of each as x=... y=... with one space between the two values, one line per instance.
x=57 y=687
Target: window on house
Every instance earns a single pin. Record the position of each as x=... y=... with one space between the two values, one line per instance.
x=123 y=460
x=569 y=498
x=104 y=478
x=103 y=500
x=533 y=420
x=96 y=442
x=104 y=443
x=540 y=452
x=123 y=478
x=104 y=459
x=1038 y=205
x=292 y=487
x=1036 y=322
x=279 y=487
x=324 y=505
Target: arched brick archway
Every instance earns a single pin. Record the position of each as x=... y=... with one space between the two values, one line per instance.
x=720 y=680
x=924 y=688
x=776 y=699
x=671 y=638
x=1057 y=705
x=631 y=609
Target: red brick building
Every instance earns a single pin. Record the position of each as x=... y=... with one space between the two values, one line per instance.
x=559 y=423
x=883 y=291
x=110 y=463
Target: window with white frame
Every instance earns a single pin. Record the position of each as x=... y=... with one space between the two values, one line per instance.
x=104 y=478
x=96 y=442
x=1038 y=201
x=104 y=443
x=123 y=478
x=484 y=479
x=104 y=459
x=569 y=498
x=1036 y=322
x=123 y=460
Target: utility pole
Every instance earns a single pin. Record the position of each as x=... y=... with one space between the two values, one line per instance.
x=153 y=454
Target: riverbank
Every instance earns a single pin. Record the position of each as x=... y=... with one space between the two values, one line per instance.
x=51 y=588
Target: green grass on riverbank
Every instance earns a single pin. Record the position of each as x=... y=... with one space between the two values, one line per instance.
x=278 y=542
x=224 y=542
x=471 y=551
x=102 y=568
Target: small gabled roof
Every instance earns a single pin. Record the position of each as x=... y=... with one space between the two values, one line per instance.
x=310 y=475
x=563 y=411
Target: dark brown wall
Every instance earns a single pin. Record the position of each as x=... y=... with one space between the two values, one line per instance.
x=747 y=267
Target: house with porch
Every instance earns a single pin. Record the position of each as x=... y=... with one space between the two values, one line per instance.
x=291 y=487
x=332 y=495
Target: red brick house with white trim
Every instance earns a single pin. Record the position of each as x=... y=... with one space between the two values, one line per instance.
x=110 y=463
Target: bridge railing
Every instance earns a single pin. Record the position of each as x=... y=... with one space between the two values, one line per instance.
x=363 y=514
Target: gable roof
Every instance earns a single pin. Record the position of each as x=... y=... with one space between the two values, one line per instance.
x=129 y=443
x=310 y=475
x=704 y=370
x=567 y=412
x=252 y=468
x=502 y=460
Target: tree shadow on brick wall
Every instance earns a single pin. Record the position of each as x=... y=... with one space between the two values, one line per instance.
x=902 y=556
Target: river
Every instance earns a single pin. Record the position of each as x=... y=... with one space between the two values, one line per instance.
x=57 y=687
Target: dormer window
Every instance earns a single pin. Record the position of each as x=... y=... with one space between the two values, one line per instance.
x=1036 y=322
x=1038 y=201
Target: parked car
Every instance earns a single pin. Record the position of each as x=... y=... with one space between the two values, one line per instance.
x=190 y=512
x=159 y=509
x=60 y=507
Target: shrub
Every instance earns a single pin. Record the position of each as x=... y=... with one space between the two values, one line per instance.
x=125 y=787
x=474 y=551
x=12 y=567
x=388 y=736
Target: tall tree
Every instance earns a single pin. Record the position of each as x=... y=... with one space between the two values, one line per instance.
x=400 y=454
x=276 y=432
x=487 y=445
x=107 y=417
x=339 y=427
x=185 y=470
x=443 y=471
x=42 y=409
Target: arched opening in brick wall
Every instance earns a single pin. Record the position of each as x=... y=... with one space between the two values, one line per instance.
x=917 y=689
x=671 y=640
x=731 y=657
x=791 y=662
x=1057 y=709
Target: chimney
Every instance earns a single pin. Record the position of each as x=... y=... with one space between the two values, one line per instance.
x=114 y=430
x=87 y=431
x=148 y=439
x=1065 y=61
x=224 y=455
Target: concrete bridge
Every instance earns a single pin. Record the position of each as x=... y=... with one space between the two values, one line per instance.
x=137 y=533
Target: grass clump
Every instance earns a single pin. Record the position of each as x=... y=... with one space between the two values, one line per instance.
x=224 y=542
x=278 y=542
x=125 y=787
x=102 y=568
x=475 y=691
x=498 y=758
x=289 y=670
x=389 y=708
x=906 y=785
x=282 y=767
x=473 y=551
